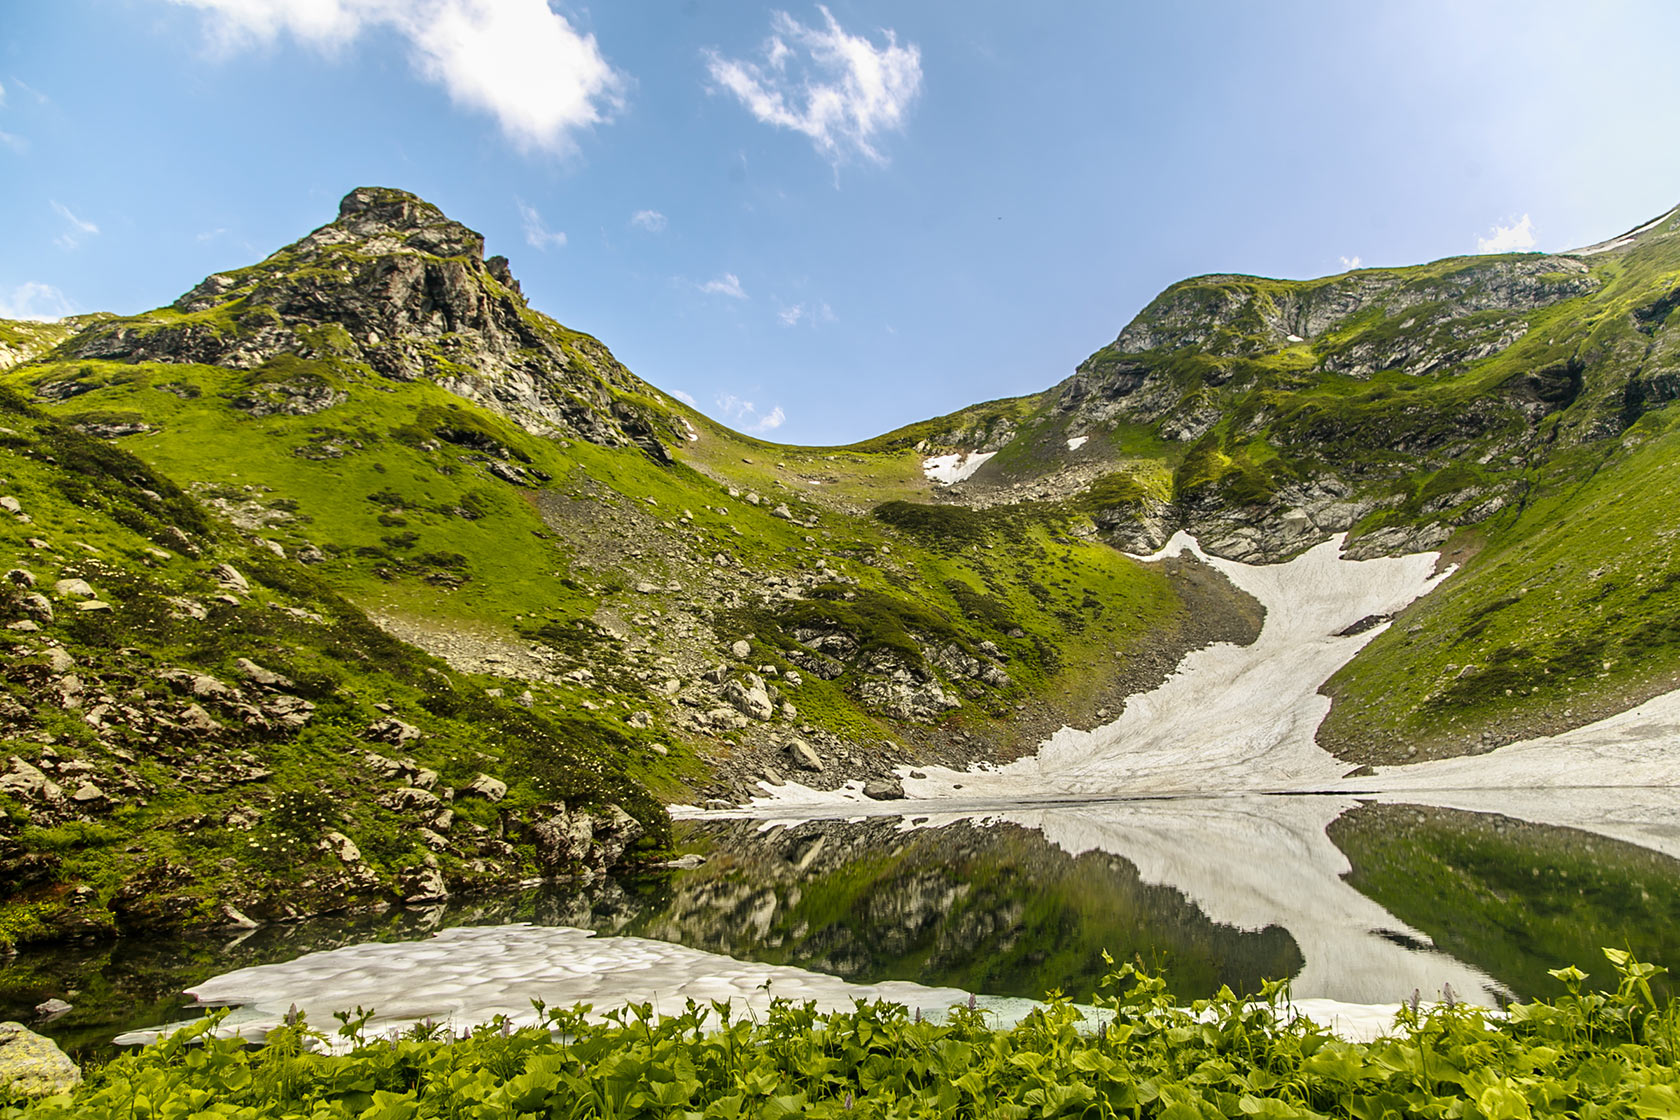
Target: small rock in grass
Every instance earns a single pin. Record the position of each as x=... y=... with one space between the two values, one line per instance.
x=491 y=789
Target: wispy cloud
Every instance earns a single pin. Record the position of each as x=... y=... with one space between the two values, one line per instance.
x=746 y=415
x=651 y=220
x=536 y=233
x=1350 y=263
x=686 y=398
x=518 y=60
x=808 y=313
x=212 y=234
x=39 y=97
x=78 y=231
x=35 y=300
x=1513 y=238
x=839 y=90
x=727 y=284
x=11 y=140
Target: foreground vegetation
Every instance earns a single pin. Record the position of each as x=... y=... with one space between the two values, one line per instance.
x=1587 y=1054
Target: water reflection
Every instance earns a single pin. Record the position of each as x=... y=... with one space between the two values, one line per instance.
x=1358 y=899
x=990 y=908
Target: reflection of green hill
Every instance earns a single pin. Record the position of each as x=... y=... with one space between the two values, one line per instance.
x=1513 y=898
x=995 y=910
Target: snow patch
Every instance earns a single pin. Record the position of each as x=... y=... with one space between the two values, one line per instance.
x=465 y=977
x=1077 y=442
x=692 y=434
x=468 y=975
x=953 y=468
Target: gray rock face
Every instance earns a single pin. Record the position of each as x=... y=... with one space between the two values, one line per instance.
x=27 y=781
x=883 y=789
x=73 y=589
x=904 y=692
x=391 y=730
x=750 y=697
x=491 y=789
x=423 y=884
x=33 y=1066
x=801 y=755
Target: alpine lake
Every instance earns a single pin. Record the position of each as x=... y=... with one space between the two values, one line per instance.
x=1359 y=899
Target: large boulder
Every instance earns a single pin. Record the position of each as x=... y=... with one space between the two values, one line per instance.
x=33 y=1066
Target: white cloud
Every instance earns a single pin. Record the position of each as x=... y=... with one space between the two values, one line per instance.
x=1508 y=239
x=78 y=230
x=812 y=313
x=747 y=415
x=537 y=234
x=2 y=97
x=686 y=398
x=726 y=285
x=517 y=60
x=651 y=220
x=839 y=90
x=35 y=300
x=1350 y=263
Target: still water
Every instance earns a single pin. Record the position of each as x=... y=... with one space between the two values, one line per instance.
x=1356 y=900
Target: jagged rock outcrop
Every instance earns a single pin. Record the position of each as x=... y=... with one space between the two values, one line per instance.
x=1240 y=314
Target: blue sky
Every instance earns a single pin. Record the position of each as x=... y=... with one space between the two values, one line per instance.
x=823 y=222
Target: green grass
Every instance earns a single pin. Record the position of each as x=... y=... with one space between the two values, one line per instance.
x=1587 y=1053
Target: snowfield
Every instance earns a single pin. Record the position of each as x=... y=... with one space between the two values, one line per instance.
x=953 y=468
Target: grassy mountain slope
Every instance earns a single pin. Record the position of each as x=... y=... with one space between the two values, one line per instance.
x=201 y=730
x=376 y=414
x=374 y=428
x=1515 y=411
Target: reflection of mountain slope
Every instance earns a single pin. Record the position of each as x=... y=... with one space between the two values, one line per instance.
x=1254 y=862
x=1511 y=897
x=994 y=910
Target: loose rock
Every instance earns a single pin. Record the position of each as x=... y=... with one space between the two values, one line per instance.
x=34 y=1066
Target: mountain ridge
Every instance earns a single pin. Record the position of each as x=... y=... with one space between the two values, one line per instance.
x=376 y=408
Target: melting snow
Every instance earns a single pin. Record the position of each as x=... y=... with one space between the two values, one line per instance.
x=468 y=975
x=1077 y=442
x=953 y=468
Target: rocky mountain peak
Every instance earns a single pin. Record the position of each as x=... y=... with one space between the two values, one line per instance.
x=390 y=220
x=395 y=288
